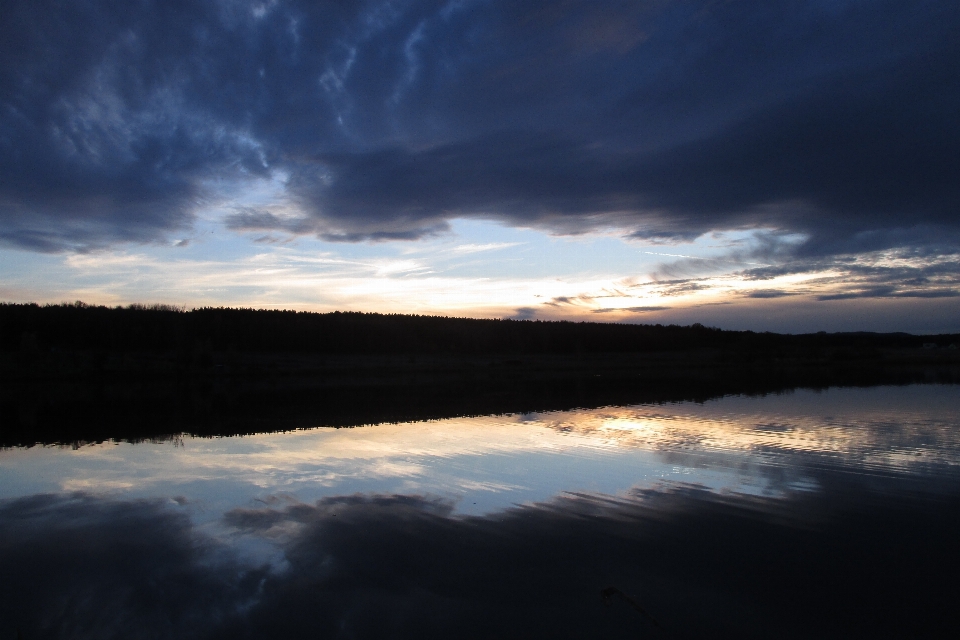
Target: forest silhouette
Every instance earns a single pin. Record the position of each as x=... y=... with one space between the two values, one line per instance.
x=78 y=372
x=163 y=328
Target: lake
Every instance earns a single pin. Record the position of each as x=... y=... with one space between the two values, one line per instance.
x=829 y=513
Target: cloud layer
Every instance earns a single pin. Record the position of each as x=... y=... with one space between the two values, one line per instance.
x=384 y=120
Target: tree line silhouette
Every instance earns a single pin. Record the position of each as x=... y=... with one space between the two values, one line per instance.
x=161 y=328
x=77 y=372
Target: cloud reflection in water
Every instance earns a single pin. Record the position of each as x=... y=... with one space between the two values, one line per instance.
x=854 y=561
x=741 y=444
x=826 y=514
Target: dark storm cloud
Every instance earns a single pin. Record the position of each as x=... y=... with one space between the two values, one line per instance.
x=103 y=133
x=118 y=120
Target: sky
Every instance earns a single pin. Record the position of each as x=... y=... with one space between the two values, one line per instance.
x=785 y=166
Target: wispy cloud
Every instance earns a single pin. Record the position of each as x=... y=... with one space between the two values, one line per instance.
x=629 y=309
x=770 y=293
x=490 y=246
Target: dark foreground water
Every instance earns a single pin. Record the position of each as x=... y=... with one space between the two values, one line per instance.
x=830 y=514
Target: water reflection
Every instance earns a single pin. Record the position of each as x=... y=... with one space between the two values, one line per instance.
x=828 y=514
x=703 y=566
x=742 y=444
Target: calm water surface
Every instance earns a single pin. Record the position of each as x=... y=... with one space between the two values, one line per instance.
x=805 y=514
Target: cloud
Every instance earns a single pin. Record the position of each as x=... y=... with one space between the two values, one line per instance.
x=560 y=301
x=884 y=274
x=769 y=293
x=671 y=288
x=489 y=246
x=888 y=292
x=630 y=309
x=383 y=121
x=524 y=313
x=251 y=219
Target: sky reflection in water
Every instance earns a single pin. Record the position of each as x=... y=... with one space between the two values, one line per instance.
x=755 y=445
x=247 y=518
